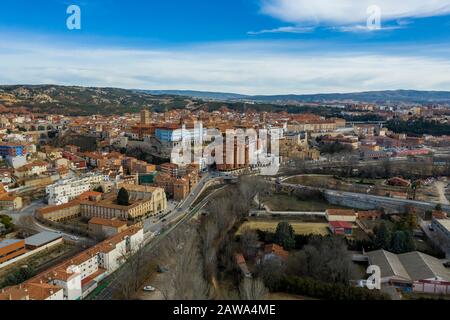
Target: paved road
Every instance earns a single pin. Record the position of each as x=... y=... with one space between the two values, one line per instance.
x=154 y=225
x=25 y=218
x=182 y=214
x=440 y=186
x=286 y=213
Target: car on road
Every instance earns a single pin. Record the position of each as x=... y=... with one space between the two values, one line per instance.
x=164 y=220
x=149 y=289
x=430 y=227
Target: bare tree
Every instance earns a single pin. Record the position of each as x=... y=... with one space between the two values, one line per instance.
x=248 y=188
x=249 y=240
x=137 y=268
x=185 y=276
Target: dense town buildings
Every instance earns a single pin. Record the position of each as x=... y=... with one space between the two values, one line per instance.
x=133 y=152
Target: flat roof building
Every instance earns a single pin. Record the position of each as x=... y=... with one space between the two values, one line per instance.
x=42 y=239
x=413 y=271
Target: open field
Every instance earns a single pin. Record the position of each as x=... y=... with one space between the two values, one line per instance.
x=284 y=202
x=299 y=226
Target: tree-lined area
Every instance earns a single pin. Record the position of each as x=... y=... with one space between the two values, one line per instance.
x=419 y=127
x=199 y=258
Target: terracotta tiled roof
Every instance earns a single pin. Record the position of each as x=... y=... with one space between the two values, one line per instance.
x=277 y=250
x=58 y=207
x=108 y=222
x=341 y=212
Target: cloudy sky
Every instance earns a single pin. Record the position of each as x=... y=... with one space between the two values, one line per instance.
x=242 y=46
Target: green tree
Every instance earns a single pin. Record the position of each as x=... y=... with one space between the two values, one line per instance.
x=402 y=241
x=397 y=242
x=18 y=276
x=285 y=236
x=123 y=198
x=382 y=237
x=6 y=221
x=410 y=220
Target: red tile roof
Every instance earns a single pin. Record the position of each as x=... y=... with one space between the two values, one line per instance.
x=277 y=250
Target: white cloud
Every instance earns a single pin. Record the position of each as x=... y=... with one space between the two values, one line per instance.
x=290 y=29
x=346 y=12
x=358 y=28
x=283 y=67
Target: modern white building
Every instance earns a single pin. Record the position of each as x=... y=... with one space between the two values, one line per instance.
x=66 y=190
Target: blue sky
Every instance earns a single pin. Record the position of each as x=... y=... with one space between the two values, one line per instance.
x=243 y=46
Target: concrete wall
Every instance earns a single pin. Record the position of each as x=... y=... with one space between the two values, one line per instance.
x=370 y=202
x=365 y=201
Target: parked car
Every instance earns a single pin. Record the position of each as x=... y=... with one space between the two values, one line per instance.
x=430 y=227
x=149 y=289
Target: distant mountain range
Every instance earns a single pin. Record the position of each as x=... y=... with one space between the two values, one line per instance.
x=388 y=96
x=76 y=100
x=199 y=94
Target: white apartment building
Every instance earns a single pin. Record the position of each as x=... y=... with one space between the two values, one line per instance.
x=66 y=190
x=78 y=276
x=93 y=265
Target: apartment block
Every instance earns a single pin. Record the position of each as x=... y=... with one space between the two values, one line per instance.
x=66 y=190
x=78 y=276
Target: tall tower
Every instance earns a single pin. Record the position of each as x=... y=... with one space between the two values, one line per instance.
x=145 y=117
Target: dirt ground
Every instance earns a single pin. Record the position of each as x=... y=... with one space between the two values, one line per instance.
x=284 y=202
x=156 y=280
